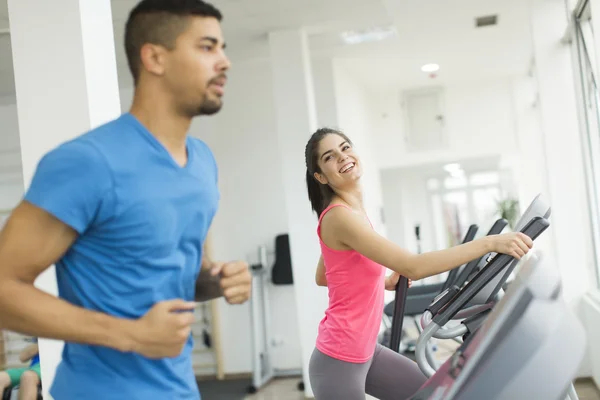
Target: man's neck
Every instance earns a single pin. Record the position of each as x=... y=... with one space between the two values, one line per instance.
x=164 y=123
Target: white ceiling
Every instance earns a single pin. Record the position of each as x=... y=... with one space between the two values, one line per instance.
x=429 y=31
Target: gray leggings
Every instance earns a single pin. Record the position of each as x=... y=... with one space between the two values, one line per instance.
x=386 y=376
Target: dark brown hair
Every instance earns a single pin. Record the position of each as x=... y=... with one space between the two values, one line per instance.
x=160 y=22
x=320 y=195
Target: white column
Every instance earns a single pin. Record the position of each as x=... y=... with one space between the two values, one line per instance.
x=570 y=229
x=296 y=120
x=325 y=98
x=595 y=22
x=66 y=83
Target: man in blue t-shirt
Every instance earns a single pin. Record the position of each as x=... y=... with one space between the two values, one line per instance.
x=123 y=212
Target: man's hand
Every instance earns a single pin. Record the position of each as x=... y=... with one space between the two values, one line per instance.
x=236 y=280
x=164 y=330
x=392 y=280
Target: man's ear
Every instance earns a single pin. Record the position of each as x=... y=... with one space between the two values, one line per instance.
x=153 y=58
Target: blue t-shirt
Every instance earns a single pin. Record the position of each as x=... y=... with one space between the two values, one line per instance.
x=35 y=359
x=142 y=221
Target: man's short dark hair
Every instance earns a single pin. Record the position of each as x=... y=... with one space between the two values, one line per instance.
x=160 y=22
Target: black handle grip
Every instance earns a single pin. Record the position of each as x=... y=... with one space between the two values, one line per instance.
x=498 y=227
x=533 y=229
x=398 y=318
x=453 y=274
x=442 y=299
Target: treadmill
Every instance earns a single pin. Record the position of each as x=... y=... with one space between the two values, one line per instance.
x=520 y=352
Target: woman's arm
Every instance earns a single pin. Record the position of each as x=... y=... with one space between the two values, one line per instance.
x=320 y=275
x=351 y=230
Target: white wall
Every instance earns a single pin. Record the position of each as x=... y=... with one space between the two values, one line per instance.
x=356 y=118
x=243 y=139
x=497 y=118
x=406 y=204
x=478 y=122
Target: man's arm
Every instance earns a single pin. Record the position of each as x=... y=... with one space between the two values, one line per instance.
x=208 y=287
x=70 y=185
x=30 y=242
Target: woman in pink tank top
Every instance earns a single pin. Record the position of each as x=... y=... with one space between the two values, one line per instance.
x=347 y=361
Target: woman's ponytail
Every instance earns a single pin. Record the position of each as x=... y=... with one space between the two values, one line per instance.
x=320 y=195
x=314 y=193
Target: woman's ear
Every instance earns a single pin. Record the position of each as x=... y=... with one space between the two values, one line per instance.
x=321 y=178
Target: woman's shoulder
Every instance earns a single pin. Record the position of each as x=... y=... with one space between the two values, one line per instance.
x=335 y=211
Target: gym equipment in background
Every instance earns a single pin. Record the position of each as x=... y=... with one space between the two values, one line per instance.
x=416 y=299
x=282 y=268
x=263 y=370
x=418 y=237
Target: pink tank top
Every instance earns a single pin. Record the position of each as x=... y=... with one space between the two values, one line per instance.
x=356 y=285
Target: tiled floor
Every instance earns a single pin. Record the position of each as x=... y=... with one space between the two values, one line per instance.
x=586 y=390
x=279 y=389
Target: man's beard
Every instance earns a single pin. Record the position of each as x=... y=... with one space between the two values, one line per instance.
x=207 y=107
x=210 y=107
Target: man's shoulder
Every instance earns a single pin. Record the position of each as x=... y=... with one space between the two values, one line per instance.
x=89 y=148
x=199 y=144
x=201 y=148
x=99 y=136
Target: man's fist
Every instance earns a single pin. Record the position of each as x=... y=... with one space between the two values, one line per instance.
x=236 y=280
x=164 y=330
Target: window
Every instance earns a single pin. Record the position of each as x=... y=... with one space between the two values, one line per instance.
x=589 y=107
x=458 y=200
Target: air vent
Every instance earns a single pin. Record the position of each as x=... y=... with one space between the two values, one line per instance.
x=487 y=20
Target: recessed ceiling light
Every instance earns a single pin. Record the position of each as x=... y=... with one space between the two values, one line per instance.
x=430 y=68
x=369 y=35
